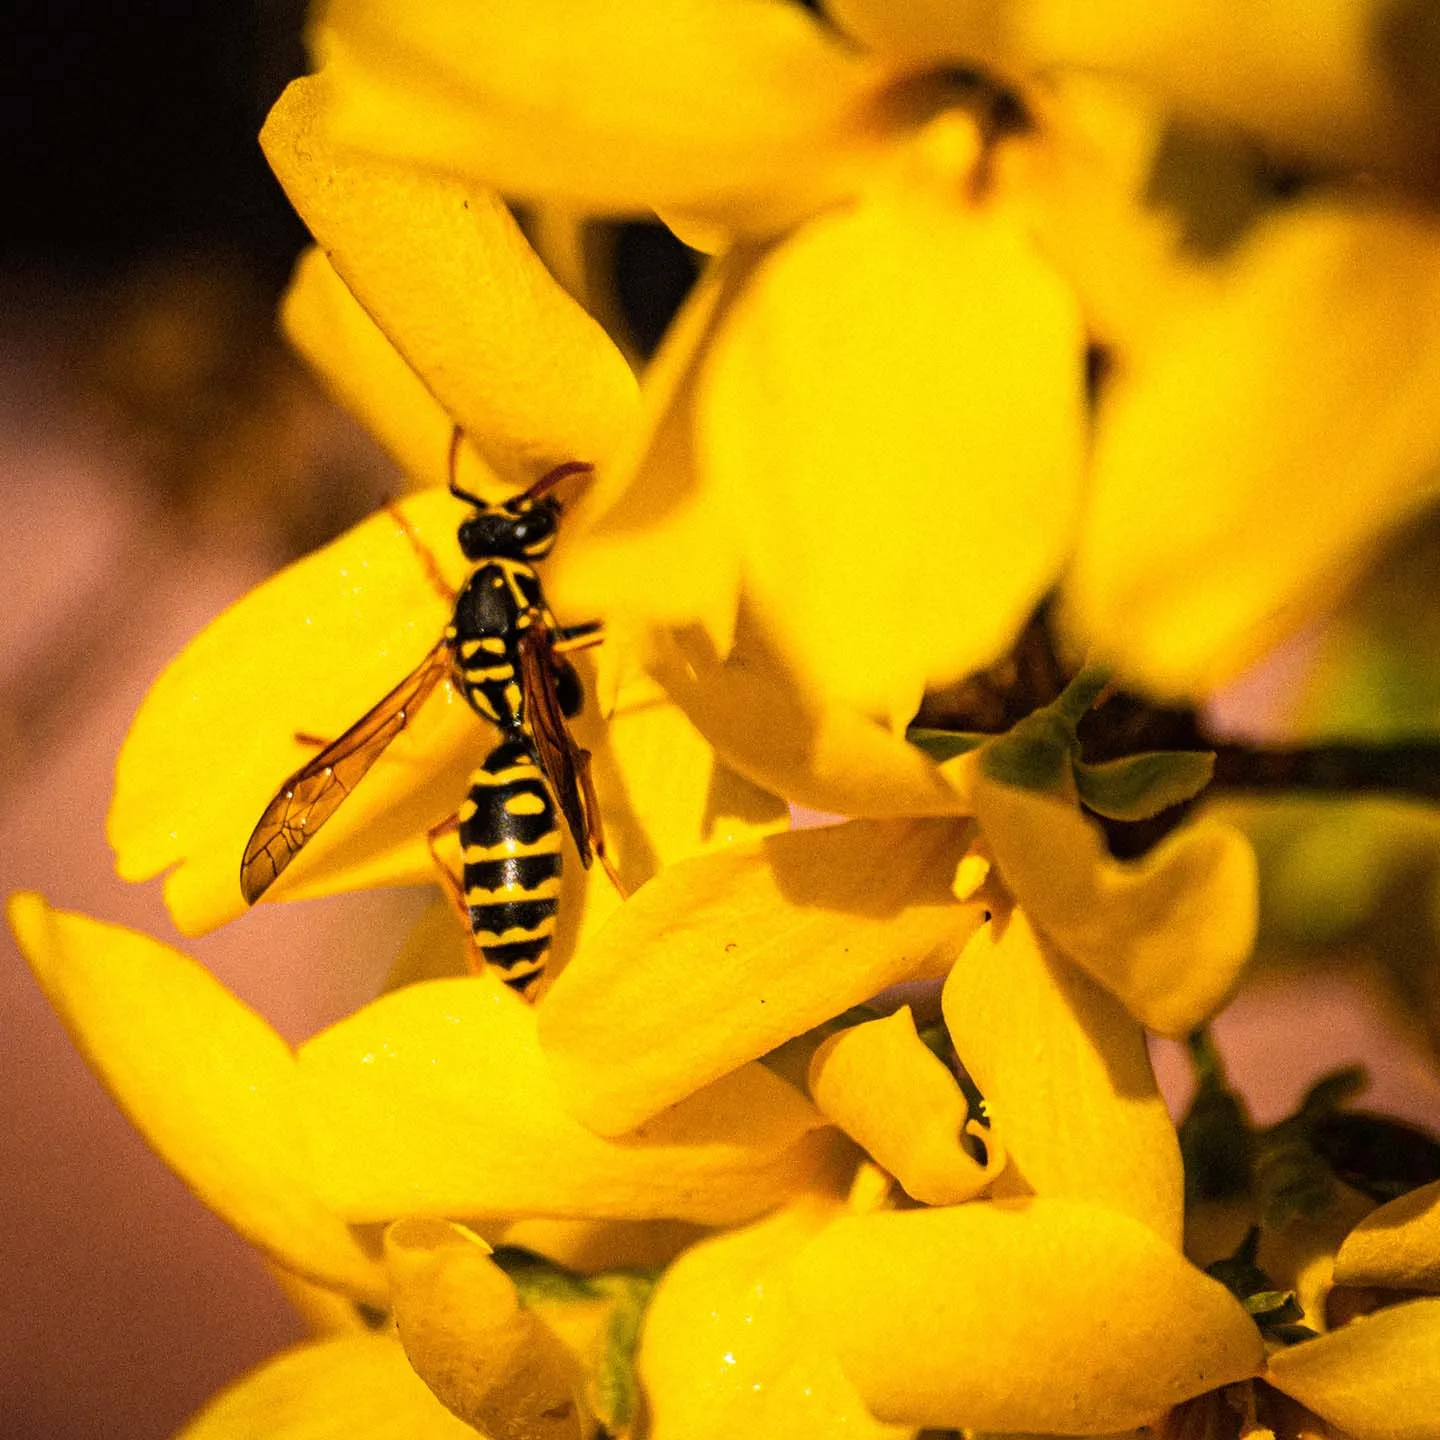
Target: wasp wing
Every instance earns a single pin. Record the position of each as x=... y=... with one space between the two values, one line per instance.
x=317 y=789
x=565 y=764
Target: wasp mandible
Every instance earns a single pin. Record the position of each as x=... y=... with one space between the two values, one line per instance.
x=504 y=652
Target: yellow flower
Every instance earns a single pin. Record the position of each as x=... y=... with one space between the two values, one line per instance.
x=1375 y=1377
x=724 y=957
x=434 y=1101
x=311 y=650
x=859 y=458
x=832 y=510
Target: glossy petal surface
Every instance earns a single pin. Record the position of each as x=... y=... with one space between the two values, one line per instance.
x=447 y=275
x=334 y=1390
x=1375 y=1378
x=1167 y=934
x=728 y=1351
x=205 y=1080
x=723 y=957
x=1065 y=1075
x=1039 y=1315
x=390 y=1088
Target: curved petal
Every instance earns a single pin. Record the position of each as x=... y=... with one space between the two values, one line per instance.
x=821 y=755
x=723 y=957
x=447 y=275
x=1396 y=1245
x=748 y=115
x=1375 y=1378
x=364 y=371
x=205 y=1080
x=1167 y=934
x=334 y=1390
x=1066 y=1077
x=727 y=1352
x=893 y=1097
x=1299 y=408
x=1037 y=1315
x=489 y=1359
x=216 y=735
x=664 y=794
x=388 y=1090
x=1337 y=79
x=893 y=410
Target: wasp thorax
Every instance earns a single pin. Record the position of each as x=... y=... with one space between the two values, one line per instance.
x=519 y=534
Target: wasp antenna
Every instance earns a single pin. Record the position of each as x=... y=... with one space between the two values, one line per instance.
x=453 y=466
x=552 y=478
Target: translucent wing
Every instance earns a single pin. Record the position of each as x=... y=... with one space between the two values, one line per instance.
x=315 y=791
x=565 y=764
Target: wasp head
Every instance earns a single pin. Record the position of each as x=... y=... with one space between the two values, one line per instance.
x=520 y=529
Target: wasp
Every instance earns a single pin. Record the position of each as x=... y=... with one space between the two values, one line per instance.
x=505 y=653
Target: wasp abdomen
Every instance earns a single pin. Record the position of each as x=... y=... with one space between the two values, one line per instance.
x=510 y=848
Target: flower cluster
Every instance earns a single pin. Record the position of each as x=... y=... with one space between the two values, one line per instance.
x=849 y=1127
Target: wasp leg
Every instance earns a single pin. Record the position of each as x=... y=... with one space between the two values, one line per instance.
x=454 y=890
x=423 y=554
x=577 y=637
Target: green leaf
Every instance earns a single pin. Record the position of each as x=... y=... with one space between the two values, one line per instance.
x=1081 y=693
x=1034 y=755
x=616 y=1391
x=538 y=1280
x=943 y=745
x=1139 y=786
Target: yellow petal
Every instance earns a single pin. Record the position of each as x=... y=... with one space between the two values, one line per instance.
x=664 y=794
x=723 y=957
x=1293 y=427
x=1090 y=175
x=893 y=1097
x=1167 y=934
x=309 y=651
x=592 y=1245
x=335 y=1390
x=1337 y=79
x=818 y=754
x=488 y=1359
x=1065 y=1075
x=747 y=115
x=205 y=1080
x=388 y=1090
x=652 y=545
x=449 y=278
x=726 y=1352
x=1398 y=1244
x=1043 y=1315
x=893 y=410
x=364 y=371
x=1375 y=1379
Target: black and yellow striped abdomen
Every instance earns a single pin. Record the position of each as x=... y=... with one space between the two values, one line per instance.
x=510 y=849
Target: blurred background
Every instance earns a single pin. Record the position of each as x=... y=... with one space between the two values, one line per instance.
x=162 y=453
